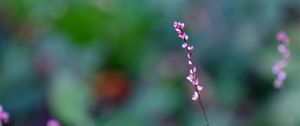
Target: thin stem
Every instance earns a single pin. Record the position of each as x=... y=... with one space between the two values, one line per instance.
x=203 y=111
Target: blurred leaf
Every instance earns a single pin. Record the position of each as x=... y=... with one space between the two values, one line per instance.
x=284 y=110
x=69 y=98
x=83 y=23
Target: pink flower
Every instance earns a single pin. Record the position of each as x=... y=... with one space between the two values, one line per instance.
x=4 y=116
x=53 y=122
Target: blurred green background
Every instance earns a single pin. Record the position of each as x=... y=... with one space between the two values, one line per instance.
x=120 y=62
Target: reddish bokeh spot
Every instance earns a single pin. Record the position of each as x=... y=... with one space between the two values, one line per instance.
x=112 y=86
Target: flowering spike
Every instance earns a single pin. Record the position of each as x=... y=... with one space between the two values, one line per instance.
x=278 y=68
x=192 y=78
x=179 y=26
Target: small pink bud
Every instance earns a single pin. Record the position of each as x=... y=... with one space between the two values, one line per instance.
x=179 y=32
x=195 y=96
x=184 y=45
x=178 y=25
x=186 y=37
x=191 y=71
x=190 y=62
x=195 y=82
x=194 y=69
x=183 y=36
x=181 y=25
x=175 y=24
x=199 y=88
x=190 y=78
x=190 y=48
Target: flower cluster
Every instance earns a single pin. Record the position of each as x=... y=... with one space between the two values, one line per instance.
x=53 y=122
x=278 y=68
x=192 y=78
x=4 y=116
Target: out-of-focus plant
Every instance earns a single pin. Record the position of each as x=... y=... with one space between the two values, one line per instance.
x=278 y=68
